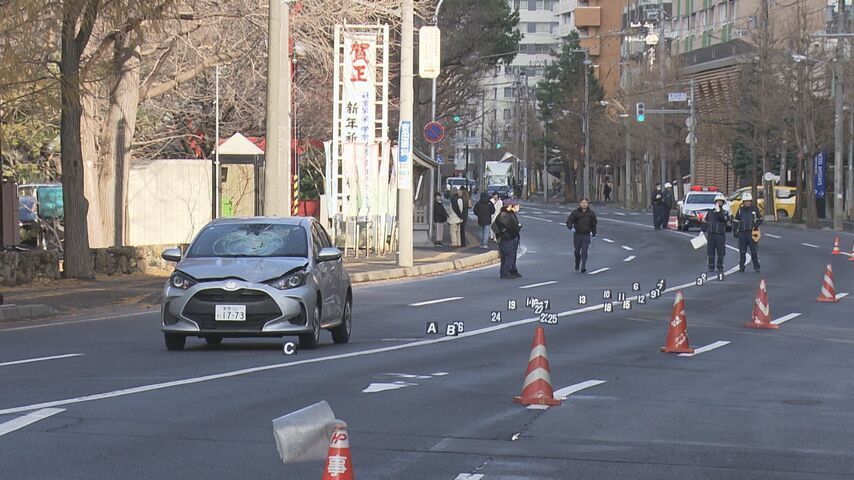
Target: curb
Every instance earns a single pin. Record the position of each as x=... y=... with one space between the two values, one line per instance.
x=14 y=313
x=429 y=269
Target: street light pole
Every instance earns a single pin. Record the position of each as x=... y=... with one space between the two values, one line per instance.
x=405 y=201
x=587 y=63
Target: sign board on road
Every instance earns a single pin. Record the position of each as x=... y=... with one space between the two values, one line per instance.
x=434 y=132
x=440 y=159
x=404 y=157
x=429 y=52
x=677 y=97
x=769 y=176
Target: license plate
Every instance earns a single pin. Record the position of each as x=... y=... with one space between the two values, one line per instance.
x=230 y=313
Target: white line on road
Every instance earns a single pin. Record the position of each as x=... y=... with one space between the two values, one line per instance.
x=466 y=476
x=810 y=245
x=431 y=302
x=629 y=258
x=607 y=240
x=383 y=387
x=439 y=374
x=594 y=272
x=565 y=392
x=709 y=347
x=40 y=359
x=786 y=318
x=772 y=236
x=620 y=214
x=840 y=296
x=538 y=284
x=537 y=218
x=630 y=249
x=28 y=419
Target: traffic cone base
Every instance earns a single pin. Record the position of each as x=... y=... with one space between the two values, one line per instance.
x=828 y=292
x=677 y=332
x=761 y=309
x=537 y=387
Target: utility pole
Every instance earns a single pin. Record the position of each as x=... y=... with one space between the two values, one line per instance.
x=528 y=177
x=692 y=132
x=841 y=21
x=404 y=199
x=628 y=180
x=851 y=165
x=433 y=109
x=217 y=164
x=277 y=165
x=586 y=170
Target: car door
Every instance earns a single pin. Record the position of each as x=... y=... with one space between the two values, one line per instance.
x=325 y=277
x=340 y=279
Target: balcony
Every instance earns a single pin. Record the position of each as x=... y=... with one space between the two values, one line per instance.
x=588 y=16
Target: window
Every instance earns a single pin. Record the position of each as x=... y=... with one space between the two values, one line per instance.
x=256 y=240
x=532 y=27
x=508 y=92
x=507 y=114
x=722 y=13
x=516 y=4
x=495 y=93
x=532 y=4
x=731 y=10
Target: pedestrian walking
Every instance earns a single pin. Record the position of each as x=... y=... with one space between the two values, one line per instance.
x=657 y=206
x=715 y=228
x=440 y=216
x=507 y=228
x=497 y=203
x=466 y=197
x=669 y=202
x=606 y=190
x=745 y=224
x=483 y=210
x=582 y=221
x=455 y=217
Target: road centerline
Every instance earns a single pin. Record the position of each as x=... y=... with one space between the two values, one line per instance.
x=542 y=284
x=40 y=359
x=432 y=302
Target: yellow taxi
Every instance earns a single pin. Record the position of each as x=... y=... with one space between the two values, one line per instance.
x=785 y=199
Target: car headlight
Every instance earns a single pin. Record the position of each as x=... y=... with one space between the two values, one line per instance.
x=291 y=280
x=179 y=280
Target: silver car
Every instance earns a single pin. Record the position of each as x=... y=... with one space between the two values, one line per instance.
x=257 y=277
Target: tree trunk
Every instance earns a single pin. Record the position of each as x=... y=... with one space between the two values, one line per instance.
x=78 y=258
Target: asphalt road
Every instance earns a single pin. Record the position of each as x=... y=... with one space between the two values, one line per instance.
x=767 y=405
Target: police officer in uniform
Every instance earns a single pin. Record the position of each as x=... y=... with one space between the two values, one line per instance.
x=745 y=222
x=669 y=202
x=657 y=206
x=715 y=228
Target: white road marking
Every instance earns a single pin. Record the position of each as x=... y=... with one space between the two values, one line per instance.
x=85 y=320
x=399 y=339
x=28 y=419
x=383 y=387
x=408 y=375
x=466 y=476
x=840 y=296
x=329 y=358
x=786 y=318
x=538 y=284
x=439 y=374
x=629 y=258
x=565 y=392
x=40 y=359
x=628 y=249
x=709 y=347
x=620 y=214
x=772 y=236
x=537 y=218
x=607 y=240
x=810 y=245
x=431 y=302
x=594 y=272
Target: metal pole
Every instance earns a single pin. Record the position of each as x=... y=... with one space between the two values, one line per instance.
x=692 y=131
x=217 y=164
x=433 y=145
x=628 y=180
x=838 y=125
x=528 y=176
x=851 y=166
x=277 y=169
x=545 y=163
x=405 y=202
x=586 y=170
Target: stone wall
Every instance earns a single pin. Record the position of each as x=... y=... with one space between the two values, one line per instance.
x=21 y=268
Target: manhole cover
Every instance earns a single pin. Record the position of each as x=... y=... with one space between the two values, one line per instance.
x=804 y=403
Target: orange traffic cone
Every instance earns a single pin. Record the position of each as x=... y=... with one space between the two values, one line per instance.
x=836 y=250
x=339 y=464
x=761 y=309
x=677 y=333
x=828 y=293
x=851 y=255
x=537 y=388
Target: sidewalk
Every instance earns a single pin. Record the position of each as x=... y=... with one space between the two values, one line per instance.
x=134 y=293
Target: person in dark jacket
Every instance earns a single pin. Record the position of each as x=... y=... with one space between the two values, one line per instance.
x=744 y=223
x=606 y=190
x=440 y=216
x=657 y=206
x=583 y=222
x=464 y=215
x=483 y=210
x=715 y=228
x=669 y=202
x=507 y=228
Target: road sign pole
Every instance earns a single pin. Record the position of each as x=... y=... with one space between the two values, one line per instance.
x=693 y=137
x=433 y=145
x=405 y=201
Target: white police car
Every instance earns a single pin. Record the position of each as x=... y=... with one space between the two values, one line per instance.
x=692 y=209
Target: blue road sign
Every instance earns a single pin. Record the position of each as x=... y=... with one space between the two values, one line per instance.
x=434 y=132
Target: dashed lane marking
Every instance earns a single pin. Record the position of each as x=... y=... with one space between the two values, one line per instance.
x=786 y=318
x=772 y=236
x=431 y=302
x=538 y=284
x=468 y=476
x=629 y=258
x=810 y=245
x=40 y=359
x=840 y=296
x=629 y=249
x=537 y=218
x=620 y=214
x=707 y=348
x=28 y=419
x=607 y=240
x=565 y=392
x=594 y=272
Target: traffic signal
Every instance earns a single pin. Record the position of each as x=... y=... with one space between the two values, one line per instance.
x=498 y=145
x=458 y=119
x=641 y=112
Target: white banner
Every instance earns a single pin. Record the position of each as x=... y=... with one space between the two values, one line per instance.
x=360 y=88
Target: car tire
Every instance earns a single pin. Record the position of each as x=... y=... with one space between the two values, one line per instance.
x=174 y=341
x=782 y=214
x=309 y=341
x=213 y=339
x=341 y=333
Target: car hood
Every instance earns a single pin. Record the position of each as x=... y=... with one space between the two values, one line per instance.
x=248 y=269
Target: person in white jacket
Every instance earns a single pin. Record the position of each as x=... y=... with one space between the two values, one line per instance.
x=496 y=200
x=454 y=220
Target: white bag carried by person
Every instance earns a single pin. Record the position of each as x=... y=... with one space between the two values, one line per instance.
x=699 y=241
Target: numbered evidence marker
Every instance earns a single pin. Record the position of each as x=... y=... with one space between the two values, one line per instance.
x=661 y=285
x=721 y=276
x=608 y=307
x=290 y=348
x=539 y=308
x=700 y=281
x=606 y=294
x=621 y=297
x=642 y=299
x=627 y=304
x=654 y=294
x=636 y=287
x=511 y=304
x=582 y=299
x=548 y=318
x=496 y=317
x=432 y=328
x=454 y=329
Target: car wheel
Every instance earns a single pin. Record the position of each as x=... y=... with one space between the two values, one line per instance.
x=782 y=214
x=213 y=339
x=175 y=341
x=309 y=341
x=341 y=333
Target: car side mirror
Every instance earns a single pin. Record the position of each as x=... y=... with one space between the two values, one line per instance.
x=679 y=203
x=172 y=255
x=328 y=254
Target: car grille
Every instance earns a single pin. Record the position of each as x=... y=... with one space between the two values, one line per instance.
x=260 y=309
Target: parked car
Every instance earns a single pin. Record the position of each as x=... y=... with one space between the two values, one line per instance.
x=454 y=182
x=691 y=212
x=785 y=200
x=257 y=277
